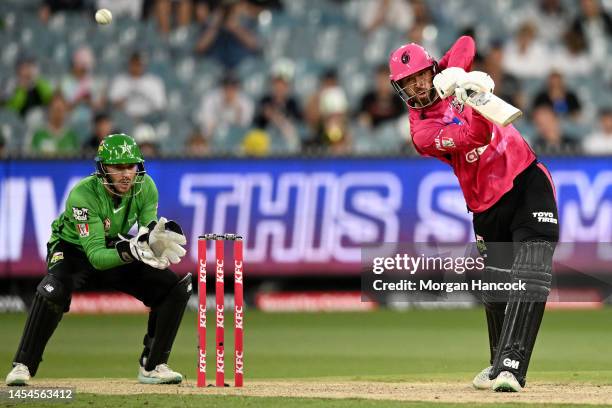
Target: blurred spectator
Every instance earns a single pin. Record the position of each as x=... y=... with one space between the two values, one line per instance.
x=312 y=114
x=421 y=12
x=137 y=92
x=28 y=89
x=596 y=27
x=507 y=86
x=600 y=141
x=197 y=145
x=119 y=8
x=573 y=59
x=225 y=106
x=203 y=9
x=102 y=127
x=256 y=143
x=164 y=9
x=524 y=55
x=144 y=134
x=549 y=135
x=78 y=86
x=380 y=104
x=561 y=100
x=550 y=16
x=333 y=130
x=278 y=109
x=50 y=7
x=417 y=34
x=396 y=14
x=55 y=137
x=230 y=34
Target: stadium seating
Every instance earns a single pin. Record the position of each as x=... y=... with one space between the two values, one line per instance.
x=316 y=35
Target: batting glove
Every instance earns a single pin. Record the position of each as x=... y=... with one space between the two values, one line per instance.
x=446 y=81
x=475 y=81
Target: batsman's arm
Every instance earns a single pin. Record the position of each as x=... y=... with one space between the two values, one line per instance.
x=435 y=138
x=461 y=54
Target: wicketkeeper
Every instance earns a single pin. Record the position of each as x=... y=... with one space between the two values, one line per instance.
x=509 y=192
x=90 y=244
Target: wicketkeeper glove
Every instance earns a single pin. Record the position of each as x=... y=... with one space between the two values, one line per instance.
x=165 y=240
x=138 y=249
x=476 y=81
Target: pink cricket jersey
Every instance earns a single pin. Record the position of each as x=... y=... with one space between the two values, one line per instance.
x=485 y=157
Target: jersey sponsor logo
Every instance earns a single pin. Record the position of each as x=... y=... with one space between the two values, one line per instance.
x=543 y=216
x=80 y=214
x=57 y=256
x=437 y=141
x=107 y=224
x=448 y=142
x=474 y=154
x=83 y=230
x=442 y=143
x=511 y=363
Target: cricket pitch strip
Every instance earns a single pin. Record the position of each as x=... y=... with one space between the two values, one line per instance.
x=435 y=391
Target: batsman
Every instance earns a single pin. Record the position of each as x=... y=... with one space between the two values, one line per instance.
x=89 y=245
x=510 y=194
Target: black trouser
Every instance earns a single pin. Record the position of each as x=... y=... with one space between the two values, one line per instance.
x=145 y=283
x=512 y=218
x=526 y=213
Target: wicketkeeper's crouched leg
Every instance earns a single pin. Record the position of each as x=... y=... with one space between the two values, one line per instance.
x=51 y=300
x=164 y=321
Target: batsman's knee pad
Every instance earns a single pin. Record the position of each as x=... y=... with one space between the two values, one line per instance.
x=51 y=299
x=167 y=321
x=533 y=266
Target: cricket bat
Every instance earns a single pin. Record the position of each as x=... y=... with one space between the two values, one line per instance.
x=487 y=104
x=493 y=108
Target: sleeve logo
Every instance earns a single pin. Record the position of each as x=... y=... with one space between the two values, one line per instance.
x=57 y=256
x=83 y=230
x=80 y=214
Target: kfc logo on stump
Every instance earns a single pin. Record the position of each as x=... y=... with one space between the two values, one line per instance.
x=219 y=271
x=220 y=318
x=239 y=363
x=220 y=361
x=239 y=315
x=202 y=270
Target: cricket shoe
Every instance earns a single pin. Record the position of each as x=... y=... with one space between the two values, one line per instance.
x=482 y=381
x=162 y=374
x=506 y=382
x=19 y=375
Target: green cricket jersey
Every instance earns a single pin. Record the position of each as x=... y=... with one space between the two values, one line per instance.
x=92 y=216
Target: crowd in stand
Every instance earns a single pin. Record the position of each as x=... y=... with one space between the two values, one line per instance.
x=559 y=49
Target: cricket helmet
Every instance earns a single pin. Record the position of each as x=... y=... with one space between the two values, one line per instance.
x=119 y=149
x=407 y=60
